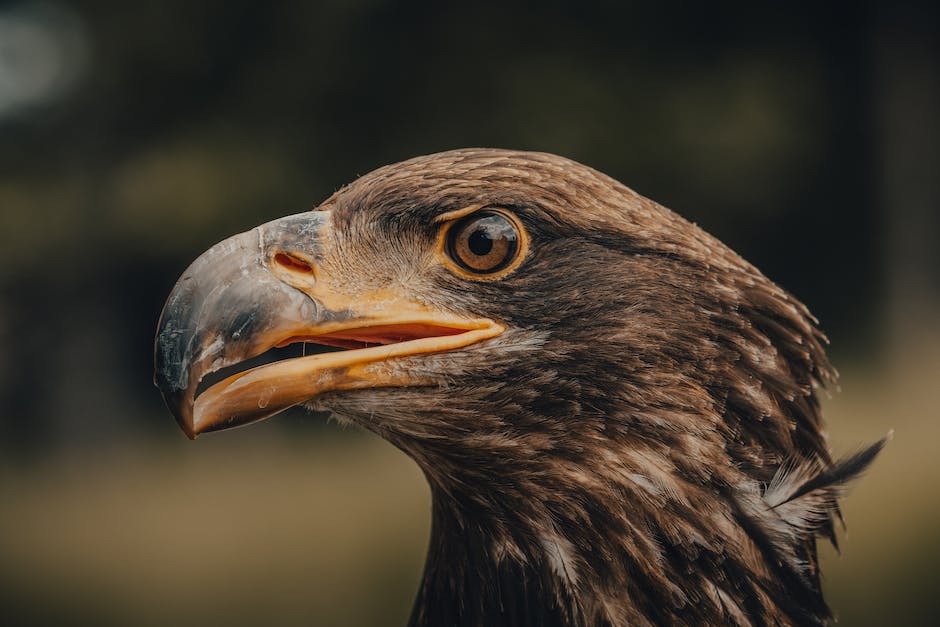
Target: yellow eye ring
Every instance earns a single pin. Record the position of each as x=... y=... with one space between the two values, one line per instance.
x=484 y=243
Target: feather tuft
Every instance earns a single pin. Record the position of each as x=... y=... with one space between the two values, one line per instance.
x=805 y=495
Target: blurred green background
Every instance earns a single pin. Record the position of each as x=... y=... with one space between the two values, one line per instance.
x=135 y=135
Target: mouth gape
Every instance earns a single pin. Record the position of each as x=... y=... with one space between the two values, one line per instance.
x=301 y=346
x=377 y=335
x=333 y=356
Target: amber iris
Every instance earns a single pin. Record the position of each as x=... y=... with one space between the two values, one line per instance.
x=484 y=242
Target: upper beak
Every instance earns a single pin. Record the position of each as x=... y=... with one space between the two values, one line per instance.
x=267 y=288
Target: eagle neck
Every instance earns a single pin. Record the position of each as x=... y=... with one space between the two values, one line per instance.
x=481 y=571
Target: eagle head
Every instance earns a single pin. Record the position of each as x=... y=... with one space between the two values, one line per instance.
x=615 y=412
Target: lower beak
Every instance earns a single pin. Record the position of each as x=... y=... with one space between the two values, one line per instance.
x=266 y=288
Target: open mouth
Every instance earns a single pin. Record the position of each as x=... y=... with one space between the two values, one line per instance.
x=377 y=335
x=323 y=358
x=283 y=352
x=301 y=346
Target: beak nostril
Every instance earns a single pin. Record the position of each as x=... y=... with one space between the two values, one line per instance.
x=290 y=262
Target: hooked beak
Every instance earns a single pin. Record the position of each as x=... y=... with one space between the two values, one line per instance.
x=265 y=289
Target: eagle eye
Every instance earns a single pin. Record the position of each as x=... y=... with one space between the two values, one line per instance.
x=484 y=243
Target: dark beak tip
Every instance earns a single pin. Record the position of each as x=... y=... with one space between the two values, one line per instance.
x=186 y=427
x=181 y=406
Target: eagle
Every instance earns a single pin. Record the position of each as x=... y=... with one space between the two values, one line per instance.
x=617 y=415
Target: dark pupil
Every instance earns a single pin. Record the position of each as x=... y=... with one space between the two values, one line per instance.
x=480 y=242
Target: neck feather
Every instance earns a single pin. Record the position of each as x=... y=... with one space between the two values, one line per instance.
x=483 y=572
x=613 y=544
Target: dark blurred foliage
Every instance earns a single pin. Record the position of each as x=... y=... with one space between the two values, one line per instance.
x=135 y=135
